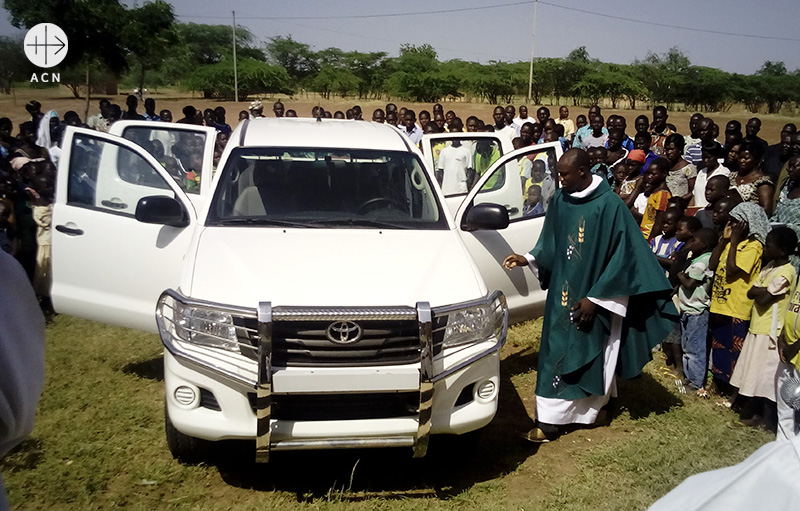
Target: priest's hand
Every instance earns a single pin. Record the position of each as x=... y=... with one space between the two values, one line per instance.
x=583 y=313
x=514 y=260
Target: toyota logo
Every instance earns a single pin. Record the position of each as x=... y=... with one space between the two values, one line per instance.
x=344 y=332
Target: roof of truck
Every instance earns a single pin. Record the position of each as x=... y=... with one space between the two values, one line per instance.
x=333 y=133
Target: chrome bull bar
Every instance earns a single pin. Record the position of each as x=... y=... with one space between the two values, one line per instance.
x=261 y=379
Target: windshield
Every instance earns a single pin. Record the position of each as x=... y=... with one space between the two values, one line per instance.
x=311 y=187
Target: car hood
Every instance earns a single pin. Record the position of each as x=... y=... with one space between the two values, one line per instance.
x=332 y=267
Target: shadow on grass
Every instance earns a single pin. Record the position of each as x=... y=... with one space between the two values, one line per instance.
x=452 y=465
x=643 y=396
x=152 y=369
x=25 y=456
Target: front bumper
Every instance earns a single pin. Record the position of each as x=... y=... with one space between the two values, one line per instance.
x=456 y=388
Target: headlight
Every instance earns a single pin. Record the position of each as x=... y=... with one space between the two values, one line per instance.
x=474 y=324
x=206 y=327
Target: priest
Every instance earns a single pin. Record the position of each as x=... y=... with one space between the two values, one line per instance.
x=607 y=303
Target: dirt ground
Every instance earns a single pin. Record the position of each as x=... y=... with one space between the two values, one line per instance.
x=61 y=100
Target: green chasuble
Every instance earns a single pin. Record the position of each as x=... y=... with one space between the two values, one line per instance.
x=592 y=247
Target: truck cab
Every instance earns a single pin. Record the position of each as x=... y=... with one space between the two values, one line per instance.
x=317 y=290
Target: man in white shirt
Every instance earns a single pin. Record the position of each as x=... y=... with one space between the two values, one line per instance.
x=455 y=170
x=410 y=128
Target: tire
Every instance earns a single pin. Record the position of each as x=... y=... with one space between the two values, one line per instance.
x=184 y=448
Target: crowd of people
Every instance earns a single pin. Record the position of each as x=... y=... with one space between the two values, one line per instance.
x=720 y=209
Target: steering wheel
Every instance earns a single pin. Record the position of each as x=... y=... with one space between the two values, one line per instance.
x=371 y=204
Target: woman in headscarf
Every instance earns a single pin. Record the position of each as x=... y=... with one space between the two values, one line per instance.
x=737 y=263
x=46 y=138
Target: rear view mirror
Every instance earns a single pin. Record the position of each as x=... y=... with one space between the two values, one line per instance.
x=157 y=209
x=486 y=216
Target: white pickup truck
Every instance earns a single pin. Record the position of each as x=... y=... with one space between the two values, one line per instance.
x=317 y=292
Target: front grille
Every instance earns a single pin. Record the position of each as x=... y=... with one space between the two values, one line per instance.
x=383 y=342
x=329 y=407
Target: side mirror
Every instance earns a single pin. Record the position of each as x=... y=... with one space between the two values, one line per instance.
x=158 y=209
x=486 y=216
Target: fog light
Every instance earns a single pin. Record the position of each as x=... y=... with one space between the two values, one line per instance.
x=185 y=395
x=486 y=389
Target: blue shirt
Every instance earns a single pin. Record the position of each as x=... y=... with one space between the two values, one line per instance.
x=148 y=117
x=584 y=132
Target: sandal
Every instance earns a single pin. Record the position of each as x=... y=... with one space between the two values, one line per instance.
x=681 y=386
x=702 y=393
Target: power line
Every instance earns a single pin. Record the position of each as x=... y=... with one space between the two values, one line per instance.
x=364 y=16
x=509 y=4
x=665 y=25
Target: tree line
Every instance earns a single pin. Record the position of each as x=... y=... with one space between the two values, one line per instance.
x=144 y=46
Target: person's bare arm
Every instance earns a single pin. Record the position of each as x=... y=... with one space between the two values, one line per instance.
x=688 y=282
x=766 y=192
x=658 y=225
x=762 y=296
x=716 y=254
x=737 y=236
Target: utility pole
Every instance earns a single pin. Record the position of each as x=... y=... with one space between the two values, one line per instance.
x=533 y=39
x=235 y=72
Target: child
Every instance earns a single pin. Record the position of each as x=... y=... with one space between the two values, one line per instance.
x=722 y=211
x=597 y=159
x=737 y=262
x=42 y=193
x=631 y=187
x=789 y=352
x=687 y=227
x=694 y=299
x=657 y=193
x=755 y=371
x=716 y=188
x=710 y=156
x=533 y=202
x=666 y=243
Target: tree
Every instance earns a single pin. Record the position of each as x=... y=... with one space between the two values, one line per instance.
x=14 y=66
x=773 y=86
x=93 y=27
x=338 y=80
x=297 y=58
x=148 y=30
x=663 y=75
x=216 y=80
x=416 y=76
x=709 y=89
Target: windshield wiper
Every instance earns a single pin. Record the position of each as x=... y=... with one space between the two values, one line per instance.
x=264 y=221
x=359 y=222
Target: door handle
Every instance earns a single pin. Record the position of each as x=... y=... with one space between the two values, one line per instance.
x=69 y=230
x=114 y=204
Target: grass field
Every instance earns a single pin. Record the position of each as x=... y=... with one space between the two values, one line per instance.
x=99 y=444
x=61 y=100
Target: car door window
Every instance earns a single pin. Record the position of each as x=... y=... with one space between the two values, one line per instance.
x=464 y=158
x=524 y=185
x=180 y=152
x=110 y=177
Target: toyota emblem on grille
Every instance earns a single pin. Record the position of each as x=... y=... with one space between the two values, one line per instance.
x=344 y=332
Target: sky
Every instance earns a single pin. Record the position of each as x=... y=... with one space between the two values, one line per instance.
x=733 y=35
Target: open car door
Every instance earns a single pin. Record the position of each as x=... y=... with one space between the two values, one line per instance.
x=107 y=265
x=503 y=183
x=185 y=151
x=485 y=148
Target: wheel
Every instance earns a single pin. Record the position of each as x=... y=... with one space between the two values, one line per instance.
x=374 y=204
x=184 y=448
